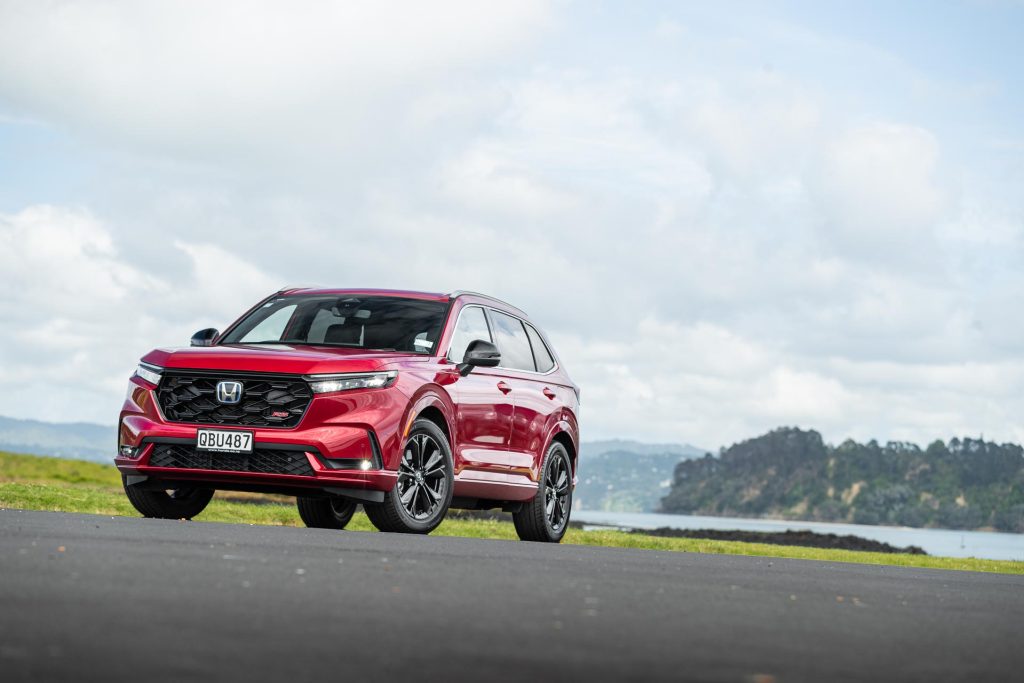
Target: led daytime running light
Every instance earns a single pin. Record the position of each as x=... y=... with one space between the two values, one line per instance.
x=150 y=373
x=326 y=384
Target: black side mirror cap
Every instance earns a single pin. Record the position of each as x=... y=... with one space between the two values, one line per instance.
x=205 y=337
x=479 y=354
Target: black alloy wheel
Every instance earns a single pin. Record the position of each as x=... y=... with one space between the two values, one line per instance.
x=423 y=490
x=557 y=481
x=421 y=476
x=546 y=517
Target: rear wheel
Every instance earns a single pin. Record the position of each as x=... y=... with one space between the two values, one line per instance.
x=546 y=517
x=180 y=503
x=326 y=513
x=423 y=492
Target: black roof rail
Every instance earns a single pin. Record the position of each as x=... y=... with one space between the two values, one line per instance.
x=291 y=288
x=465 y=292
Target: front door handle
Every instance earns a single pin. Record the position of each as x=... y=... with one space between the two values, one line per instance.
x=504 y=388
x=549 y=393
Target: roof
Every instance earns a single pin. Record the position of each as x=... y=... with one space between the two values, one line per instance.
x=409 y=294
x=477 y=295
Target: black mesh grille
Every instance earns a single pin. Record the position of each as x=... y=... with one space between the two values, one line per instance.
x=267 y=400
x=262 y=460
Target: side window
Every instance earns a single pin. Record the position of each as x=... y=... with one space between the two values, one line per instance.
x=472 y=325
x=540 y=351
x=272 y=327
x=512 y=342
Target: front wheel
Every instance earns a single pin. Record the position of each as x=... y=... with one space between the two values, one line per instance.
x=546 y=517
x=181 y=503
x=423 y=492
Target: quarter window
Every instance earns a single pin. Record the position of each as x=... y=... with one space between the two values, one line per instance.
x=512 y=342
x=472 y=325
x=540 y=350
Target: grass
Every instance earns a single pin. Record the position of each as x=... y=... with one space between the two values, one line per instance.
x=37 y=483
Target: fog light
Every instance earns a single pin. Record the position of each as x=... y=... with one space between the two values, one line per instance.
x=365 y=465
x=128 y=451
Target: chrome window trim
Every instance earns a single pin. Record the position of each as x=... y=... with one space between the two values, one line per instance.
x=487 y=318
x=487 y=321
x=531 y=326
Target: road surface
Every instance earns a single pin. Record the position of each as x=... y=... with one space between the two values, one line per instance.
x=87 y=597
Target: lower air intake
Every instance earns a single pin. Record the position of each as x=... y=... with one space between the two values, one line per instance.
x=261 y=460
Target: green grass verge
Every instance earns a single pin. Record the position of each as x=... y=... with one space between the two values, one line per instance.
x=37 y=483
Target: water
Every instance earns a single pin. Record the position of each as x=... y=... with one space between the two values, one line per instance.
x=940 y=542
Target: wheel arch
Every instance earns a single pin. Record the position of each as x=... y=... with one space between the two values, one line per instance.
x=436 y=407
x=564 y=433
x=434 y=414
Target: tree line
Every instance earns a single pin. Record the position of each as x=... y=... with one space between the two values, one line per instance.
x=792 y=473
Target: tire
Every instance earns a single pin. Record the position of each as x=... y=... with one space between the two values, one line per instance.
x=545 y=518
x=183 y=503
x=421 y=496
x=326 y=513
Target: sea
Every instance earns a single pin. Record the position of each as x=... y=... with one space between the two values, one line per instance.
x=940 y=542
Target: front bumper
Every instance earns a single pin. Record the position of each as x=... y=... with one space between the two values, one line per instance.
x=344 y=431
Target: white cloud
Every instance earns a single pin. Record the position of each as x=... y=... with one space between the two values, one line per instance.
x=718 y=245
x=217 y=270
x=879 y=184
x=72 y=253
x=242 y=80
x=695 y=382
x=490 y=179
x=78 y=311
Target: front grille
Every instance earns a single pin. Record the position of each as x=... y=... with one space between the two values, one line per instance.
x=261 y=460
x=267 y=400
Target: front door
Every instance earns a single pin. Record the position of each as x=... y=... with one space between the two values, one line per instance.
x=483 y=407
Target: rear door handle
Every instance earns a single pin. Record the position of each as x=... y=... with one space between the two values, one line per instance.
x=504 y=388
x=549 y=393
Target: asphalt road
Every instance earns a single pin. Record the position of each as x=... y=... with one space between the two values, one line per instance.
x=116 y=599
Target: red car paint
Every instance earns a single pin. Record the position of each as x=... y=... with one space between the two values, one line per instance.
x=499 y=421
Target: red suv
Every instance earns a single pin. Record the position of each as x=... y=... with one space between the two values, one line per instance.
x=405 y=402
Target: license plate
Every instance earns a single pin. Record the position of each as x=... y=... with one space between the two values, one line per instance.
x=224 y=440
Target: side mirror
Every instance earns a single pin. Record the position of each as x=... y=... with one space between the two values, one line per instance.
x=479 y=354
x=204 y=337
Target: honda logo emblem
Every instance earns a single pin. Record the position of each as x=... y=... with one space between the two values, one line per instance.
x=229 y=392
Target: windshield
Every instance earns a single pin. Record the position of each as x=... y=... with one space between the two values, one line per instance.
x=380 y=323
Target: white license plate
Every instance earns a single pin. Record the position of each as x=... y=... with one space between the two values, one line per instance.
x=224 y=440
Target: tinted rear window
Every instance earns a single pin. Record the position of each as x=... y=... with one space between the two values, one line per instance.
x=540 y=350
x=512 y=341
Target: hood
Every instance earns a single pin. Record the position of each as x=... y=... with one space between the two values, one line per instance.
x=277 y=358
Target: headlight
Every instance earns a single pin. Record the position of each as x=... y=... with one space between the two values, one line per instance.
x=150 y=373
x=325 y=384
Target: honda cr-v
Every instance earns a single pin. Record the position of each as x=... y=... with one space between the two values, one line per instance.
x=407 y=403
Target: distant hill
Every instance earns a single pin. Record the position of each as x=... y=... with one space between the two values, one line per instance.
x=67 y=440
x=627 y=476
x=791 y=473
x=683 y=450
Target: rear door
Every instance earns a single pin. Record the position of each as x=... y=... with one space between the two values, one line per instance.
x=483 y=407
x=534 y=400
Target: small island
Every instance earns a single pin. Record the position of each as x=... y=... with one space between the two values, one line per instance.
x=790 y=473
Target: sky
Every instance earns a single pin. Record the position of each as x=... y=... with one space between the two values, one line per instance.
x=727 y=216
